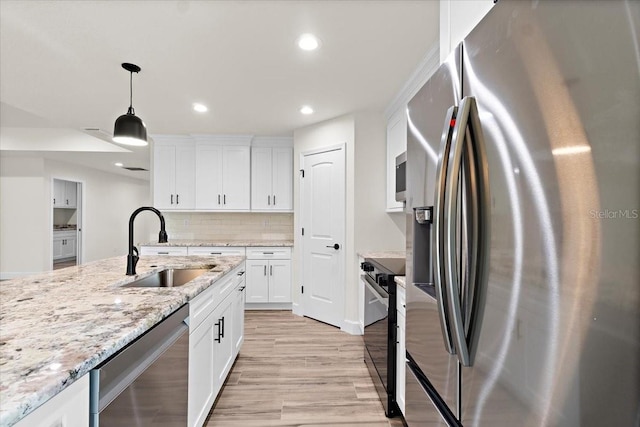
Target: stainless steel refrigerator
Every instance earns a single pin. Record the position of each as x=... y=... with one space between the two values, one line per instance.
x=523 y=229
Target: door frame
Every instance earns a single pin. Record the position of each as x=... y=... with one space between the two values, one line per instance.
x=342 y=255
x=80 y=206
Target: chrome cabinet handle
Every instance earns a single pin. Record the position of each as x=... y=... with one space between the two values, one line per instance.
x=177 y=199
x=438 y=226
x=172 y=199
x=265 y=269
x=268 y=200
x=224 y=199
x=218 y=199
x=274 y=200
x=271 y=270
x=163 y=253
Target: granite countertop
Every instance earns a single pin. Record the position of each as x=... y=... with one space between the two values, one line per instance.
x=57 y=326
x=232 y=243
x=400 y=280
x=382 y=254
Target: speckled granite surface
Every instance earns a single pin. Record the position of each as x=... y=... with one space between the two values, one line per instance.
x=57 y=326
x=382 y=254
x=236 y=243
x=400 y=280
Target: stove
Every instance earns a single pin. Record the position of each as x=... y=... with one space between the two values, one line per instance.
x=380 y=331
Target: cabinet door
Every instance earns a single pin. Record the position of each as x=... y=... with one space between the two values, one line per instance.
x=401 y=362
x=236 y=173
x=282 y=178
x=257 y=281
x=223 y=342
x=58 y=193
x=70 y=194
x=261 y=174
x=57 y=248
x=201 y=370
x=164 y=173
x=69 y=247
x=69 y=408
x=208 y=176
x=185 y=176
x=280 y=280
x=238 y=319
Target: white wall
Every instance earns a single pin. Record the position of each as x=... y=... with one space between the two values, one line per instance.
x=368 y=226
x=23 y=217
x=26 y=218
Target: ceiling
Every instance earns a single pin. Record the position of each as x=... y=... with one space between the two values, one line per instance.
x=60 y=67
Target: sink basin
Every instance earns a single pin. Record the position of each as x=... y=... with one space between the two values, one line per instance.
x=169 y=278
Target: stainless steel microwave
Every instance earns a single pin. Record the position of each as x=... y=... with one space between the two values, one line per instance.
x=401 y=177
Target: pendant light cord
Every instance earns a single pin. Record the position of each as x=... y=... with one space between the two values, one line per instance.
x=131 y=110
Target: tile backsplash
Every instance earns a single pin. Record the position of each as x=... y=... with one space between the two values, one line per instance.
x=229 y=226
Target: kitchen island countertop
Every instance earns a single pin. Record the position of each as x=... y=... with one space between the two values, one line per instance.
x=57 y=326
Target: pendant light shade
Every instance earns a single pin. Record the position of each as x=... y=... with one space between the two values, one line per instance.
x=129 y=128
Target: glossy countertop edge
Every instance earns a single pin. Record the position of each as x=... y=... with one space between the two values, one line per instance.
x=382 y=254
x=222 y=243
x=85 y=316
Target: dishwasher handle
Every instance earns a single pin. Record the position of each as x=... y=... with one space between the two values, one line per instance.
x=118 y=373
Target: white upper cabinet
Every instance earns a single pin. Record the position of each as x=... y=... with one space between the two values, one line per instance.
x=457 y=19
x=223 y=173
x=272 y=174
x=396 y=145
x=174 y=173
x=65 y=194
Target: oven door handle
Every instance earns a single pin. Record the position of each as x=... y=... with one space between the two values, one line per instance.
x=376 y=290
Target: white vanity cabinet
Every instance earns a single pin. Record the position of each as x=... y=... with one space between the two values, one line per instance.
x=269 y=277
x=401 y=348
x=69 y=408
x=174 y=162
x=216 y=332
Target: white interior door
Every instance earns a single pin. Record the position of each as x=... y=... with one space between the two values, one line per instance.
x=322 y=197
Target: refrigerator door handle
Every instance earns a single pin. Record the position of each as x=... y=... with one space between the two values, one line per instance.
x=468 y=153
x=438 y=225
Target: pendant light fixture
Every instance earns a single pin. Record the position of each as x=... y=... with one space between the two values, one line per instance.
x=129 y=128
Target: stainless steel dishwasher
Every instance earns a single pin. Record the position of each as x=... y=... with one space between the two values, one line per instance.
x=146 y=383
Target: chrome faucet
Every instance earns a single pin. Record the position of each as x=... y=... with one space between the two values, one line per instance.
x=132 y=259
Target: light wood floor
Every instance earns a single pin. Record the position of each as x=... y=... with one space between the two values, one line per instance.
x=293 y=371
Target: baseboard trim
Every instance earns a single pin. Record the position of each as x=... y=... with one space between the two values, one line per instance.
x=297 y=309
x=267 y=306
x=351 y=327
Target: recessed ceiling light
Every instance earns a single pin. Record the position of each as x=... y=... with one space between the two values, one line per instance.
x=200 y=108
x=306 y=110
x=308 y=42
x=118 y=164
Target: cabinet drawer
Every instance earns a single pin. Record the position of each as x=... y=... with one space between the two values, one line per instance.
x=269 y=253
x=230 y=282
x=216 y=250
x=200 y=307
x=163 y=250
x=402 y=300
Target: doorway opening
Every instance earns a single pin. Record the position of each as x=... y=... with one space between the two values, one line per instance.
x=66 y=207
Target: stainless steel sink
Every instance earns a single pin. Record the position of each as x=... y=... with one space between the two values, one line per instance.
x=169 y=278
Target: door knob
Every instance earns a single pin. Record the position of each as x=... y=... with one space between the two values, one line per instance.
x=336 y=246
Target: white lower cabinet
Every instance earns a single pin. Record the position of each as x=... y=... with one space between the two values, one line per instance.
x=269 y=276
x=201 y=371
x=69 y=408
x=216 y=332
x=163 y=250
x=64 y=244
x=401 y=349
